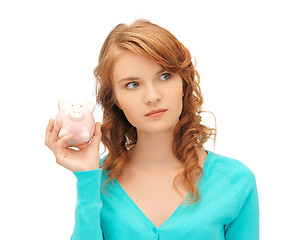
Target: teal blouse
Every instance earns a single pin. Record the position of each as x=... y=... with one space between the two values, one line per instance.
x=228 y=208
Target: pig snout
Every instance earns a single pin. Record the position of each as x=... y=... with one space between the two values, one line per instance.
x=76 y=114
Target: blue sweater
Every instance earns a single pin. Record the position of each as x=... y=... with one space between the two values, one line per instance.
x=228 y=208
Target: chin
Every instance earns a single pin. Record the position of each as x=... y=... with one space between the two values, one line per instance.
x=159 y=128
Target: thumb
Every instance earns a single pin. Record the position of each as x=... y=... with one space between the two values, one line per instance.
x=97 y=135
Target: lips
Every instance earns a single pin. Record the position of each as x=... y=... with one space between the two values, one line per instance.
x=155 y=111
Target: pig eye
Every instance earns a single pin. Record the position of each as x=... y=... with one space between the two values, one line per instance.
x=81 y=106
x=72 y=105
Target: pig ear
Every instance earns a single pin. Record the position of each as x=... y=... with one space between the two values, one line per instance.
x=90 y=106
x=63 y=103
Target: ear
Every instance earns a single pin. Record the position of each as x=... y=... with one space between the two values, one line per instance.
x=90 y=106
x=62 y=103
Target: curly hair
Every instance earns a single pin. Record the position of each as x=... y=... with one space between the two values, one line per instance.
x=118 y=135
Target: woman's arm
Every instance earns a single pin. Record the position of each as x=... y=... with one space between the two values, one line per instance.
x=87 y=213
x=84 y=163
x=246 y=225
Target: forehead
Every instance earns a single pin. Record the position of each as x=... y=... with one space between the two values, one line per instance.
x=131 y=64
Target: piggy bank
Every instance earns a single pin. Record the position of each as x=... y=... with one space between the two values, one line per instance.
x=77 y=119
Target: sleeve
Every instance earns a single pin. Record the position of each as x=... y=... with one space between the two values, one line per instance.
x=246 y=225
x=88 y=206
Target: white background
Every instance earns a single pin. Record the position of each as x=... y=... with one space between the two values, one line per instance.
x=249 y=57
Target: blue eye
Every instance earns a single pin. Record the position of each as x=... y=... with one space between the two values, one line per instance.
x=134 y=85
x=165 y=76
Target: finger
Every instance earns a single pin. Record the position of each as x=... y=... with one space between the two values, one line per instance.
x=50 y=126
x=80 y=147
x=54 y=134
x=63 y=142
x=48 y=131
x=97 y=135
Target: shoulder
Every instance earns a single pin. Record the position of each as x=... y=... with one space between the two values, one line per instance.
x=231 y=167
x=237 y=174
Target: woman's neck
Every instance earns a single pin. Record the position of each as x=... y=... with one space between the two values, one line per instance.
x=153 y=151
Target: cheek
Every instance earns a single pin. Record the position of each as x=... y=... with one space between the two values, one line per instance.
x=125 y=101
x=177 y=93
x=180 y=105
x=178 y=98
x=120 y=99
x=129 y=109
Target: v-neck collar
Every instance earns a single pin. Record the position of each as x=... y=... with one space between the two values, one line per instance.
x=141 y=213
x=172 y=216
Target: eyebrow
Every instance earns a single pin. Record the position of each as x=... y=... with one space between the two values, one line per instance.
x=136 y=78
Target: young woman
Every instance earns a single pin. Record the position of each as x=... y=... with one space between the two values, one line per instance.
x=158 y=181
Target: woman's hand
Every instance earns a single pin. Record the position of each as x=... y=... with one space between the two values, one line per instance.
x=85 y=159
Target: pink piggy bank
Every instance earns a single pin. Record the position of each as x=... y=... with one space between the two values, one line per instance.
x=78 y=120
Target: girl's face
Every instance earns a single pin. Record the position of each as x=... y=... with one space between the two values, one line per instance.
x=141 y=86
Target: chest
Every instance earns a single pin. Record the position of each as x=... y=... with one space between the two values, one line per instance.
x=154 y=194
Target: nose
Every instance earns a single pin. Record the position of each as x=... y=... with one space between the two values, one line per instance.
x=152 y=95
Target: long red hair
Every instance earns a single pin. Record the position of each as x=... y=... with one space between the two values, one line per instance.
x=118 y=135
